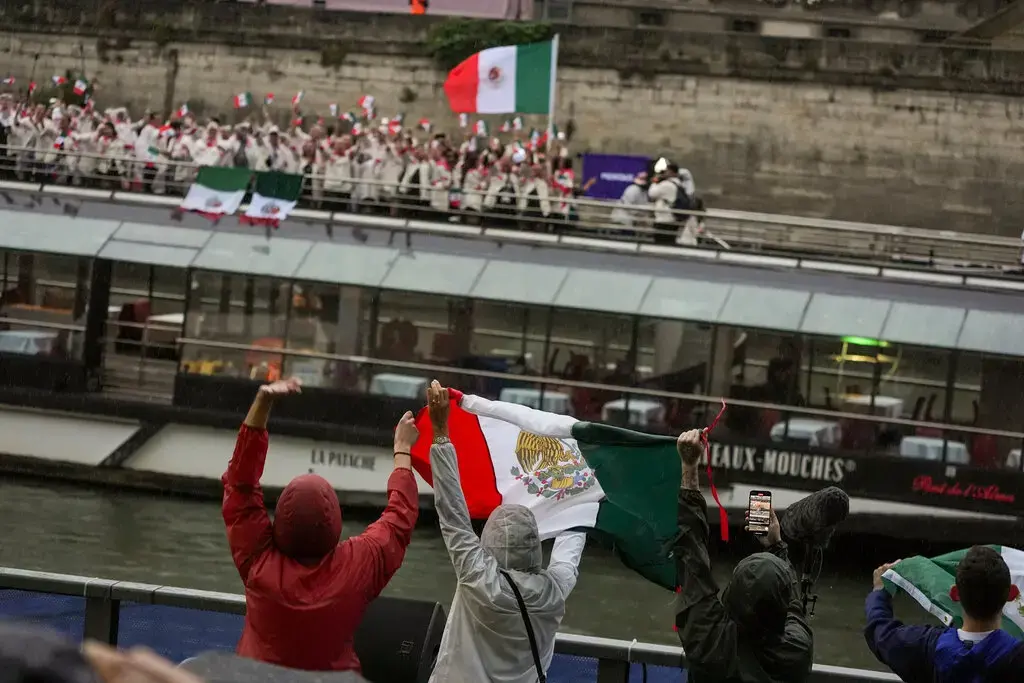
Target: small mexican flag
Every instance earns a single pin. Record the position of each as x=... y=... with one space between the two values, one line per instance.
x=81 y=86
x=273 y=198
x=242 y=100
x=217 y=191
x=480 y=128
x=268 y=99
x=59 y=80
x=298 y=97
x=622 y=486
x=505 y=80
x=9 y=80
x=928 y=580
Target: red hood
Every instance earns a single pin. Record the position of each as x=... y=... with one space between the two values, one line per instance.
x=307 y=522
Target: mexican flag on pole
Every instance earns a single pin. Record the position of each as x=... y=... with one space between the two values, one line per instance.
x=928 y=580
x=242 y=100
x=512 y=79
x=273 y=198
x=622 y=486
x=217 y=191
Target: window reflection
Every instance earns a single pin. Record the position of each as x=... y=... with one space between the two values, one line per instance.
x=237 y=309
x=51 y=290
x=838 y=394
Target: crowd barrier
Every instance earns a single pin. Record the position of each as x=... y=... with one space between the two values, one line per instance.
x=738 y=231
x=179 y=623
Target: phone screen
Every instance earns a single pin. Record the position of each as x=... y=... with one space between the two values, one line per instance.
x=759 y=512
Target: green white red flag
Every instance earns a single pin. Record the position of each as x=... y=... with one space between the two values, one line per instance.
x=620 y=485
x=928 y=582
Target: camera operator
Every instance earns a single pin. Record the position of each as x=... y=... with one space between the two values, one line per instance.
x=671 y=193
x=757 y=630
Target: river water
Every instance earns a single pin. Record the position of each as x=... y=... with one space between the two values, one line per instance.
x=173 y=541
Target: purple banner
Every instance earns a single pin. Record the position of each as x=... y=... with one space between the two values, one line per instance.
x=606 y=176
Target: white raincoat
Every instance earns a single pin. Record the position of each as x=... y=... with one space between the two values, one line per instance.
x=485 y=638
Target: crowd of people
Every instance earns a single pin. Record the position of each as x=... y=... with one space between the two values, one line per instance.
x=307 y=590
x=364 y=160
x=356 y=163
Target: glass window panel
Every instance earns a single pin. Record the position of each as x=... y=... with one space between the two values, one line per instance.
x=133 y=252
x=51 y=290
x=248 y=311
x=146 y=233
x=924 y=325
x=594 y=347
x=833 y=315
x=509 y=337
x=249 y=255
x=415 y=328
x=764 y=307
x=347 y=264
x=988 y=396
x=678 y=299
x=598 y=290
x=31 y=232
x=434 y=274
x=992 y=332
x=524 y=283
x=330 y=319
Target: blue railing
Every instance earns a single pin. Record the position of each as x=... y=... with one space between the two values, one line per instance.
x=179 y=623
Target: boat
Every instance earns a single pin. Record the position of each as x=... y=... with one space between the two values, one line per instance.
x=150 y=334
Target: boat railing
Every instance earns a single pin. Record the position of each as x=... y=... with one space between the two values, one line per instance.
x=115 y=612
x=121 y=177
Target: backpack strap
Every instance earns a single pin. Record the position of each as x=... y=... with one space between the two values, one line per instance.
x=541 y=678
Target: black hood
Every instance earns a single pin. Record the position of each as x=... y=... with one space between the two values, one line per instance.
x=758 y=595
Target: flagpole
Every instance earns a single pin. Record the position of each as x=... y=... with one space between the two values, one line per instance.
x=552 y=92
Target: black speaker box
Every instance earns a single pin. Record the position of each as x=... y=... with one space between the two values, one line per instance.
x=398 y=640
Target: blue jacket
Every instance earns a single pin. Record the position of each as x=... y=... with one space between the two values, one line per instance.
x=935 y=654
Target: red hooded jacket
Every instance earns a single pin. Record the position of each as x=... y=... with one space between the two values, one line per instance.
x=305 y=592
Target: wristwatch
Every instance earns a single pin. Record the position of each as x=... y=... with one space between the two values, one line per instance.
x=439 y=440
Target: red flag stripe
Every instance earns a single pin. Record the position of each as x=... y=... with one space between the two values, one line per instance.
x=476 y=471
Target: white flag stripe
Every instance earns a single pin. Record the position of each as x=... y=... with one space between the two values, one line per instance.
x=496 y=96
x=201 y=198
x=554 y=515
x=525 y=418
x=921 y=599
x=1014 y=611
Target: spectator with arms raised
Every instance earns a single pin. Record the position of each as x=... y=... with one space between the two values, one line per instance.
x=757 y=631
x=507 y=606
x=979 y=652
x=305 y=591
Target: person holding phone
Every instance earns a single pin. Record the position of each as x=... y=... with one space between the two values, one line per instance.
x=757 y=630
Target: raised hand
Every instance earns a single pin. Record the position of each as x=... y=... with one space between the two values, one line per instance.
x=689 y=446
x=406 y=433
x=438 y=406
x=282 y=387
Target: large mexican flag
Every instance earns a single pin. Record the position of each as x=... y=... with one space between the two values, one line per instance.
x=620 y=485
x=273 y=198
x=928 y=580
x=217 y=191
x=511 y=79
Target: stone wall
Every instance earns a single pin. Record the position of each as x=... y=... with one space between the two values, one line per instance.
x=917 y=136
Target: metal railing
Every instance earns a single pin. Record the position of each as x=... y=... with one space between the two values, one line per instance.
x=104 y=599
x=127 y=179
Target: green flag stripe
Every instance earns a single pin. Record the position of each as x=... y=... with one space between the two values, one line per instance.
x=222 y=179
x=533 y=78
x=277 y=185
x=640 y=475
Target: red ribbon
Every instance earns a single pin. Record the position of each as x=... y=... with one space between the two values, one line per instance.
x=723 y=516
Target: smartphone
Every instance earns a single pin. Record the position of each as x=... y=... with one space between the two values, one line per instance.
x=759 y=512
